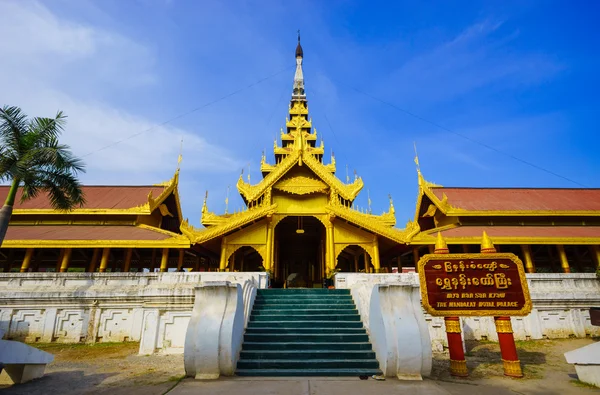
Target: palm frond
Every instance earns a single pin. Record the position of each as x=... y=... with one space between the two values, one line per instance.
x=13 y=125
x=64 y=190
x=44 y=128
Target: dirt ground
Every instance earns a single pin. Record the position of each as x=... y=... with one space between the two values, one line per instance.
x=115 y=368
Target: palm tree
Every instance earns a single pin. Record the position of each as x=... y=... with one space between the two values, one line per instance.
x=32 y=158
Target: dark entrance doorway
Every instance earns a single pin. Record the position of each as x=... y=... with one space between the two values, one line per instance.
x=299 y=252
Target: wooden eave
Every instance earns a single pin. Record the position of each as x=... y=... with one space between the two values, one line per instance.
x=233 y=223
x=91 y=236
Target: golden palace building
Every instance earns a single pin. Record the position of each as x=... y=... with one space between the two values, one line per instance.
x=299 y=223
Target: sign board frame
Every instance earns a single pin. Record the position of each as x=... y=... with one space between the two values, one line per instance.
x=466 y=258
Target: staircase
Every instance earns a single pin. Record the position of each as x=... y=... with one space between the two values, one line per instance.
x=306 y=332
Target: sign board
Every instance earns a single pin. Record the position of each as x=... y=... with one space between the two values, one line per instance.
x=474 y=285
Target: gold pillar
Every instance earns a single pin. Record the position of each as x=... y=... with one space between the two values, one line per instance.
x=242 y=263
x=223 y=258
x=268 y=260
x=330 y=252
x=180 y=259
x=529 y=265
x=94 y=261
x=104 y=260
x=64 y=265
x=356 y=263
x=59 y=261
x=27 y=260
x=596 y=255
x=127 y=263
x=564 y=262
x=164 y=260
x=376 y=263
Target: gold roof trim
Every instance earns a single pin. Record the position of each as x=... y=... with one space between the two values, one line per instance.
x=369 y=222
x=235 y=221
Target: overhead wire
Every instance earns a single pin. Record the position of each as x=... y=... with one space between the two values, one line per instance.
x=491 y=148
x=168 y=121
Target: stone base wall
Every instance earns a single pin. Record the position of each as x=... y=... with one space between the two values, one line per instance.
x=105 y=307
x=116 y=307
x=561 y=304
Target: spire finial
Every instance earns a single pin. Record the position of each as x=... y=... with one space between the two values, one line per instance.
x=440 y=245
x=486 y=243
x=298 y=92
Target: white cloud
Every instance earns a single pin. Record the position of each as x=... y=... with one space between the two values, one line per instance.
x=49 y=63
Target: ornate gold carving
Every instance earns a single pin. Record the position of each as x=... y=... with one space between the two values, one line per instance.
x=503 y=325
x=367 y=222
x=164 y=210
x=301 y=185
x=233 y=222
x=440 y=245
x=430 y=211
x=452 y=326
x=458 y=368
x=486 y=243
x=512 y=368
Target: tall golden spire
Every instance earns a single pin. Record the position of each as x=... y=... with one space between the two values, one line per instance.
x=298 y=92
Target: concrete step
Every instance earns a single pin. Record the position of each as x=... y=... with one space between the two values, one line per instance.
x=307 y=364
x=304 y=317
x=307 y=311
x=307 y=354
x=297 y=345
x=314 y=330
x=313 y=338
x=307 y=372
x=305 y=324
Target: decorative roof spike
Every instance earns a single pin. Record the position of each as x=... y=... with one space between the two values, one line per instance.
x=392 y=210
x=298 y=92
x=440 y=245
x=204 y=207
x=486 y=243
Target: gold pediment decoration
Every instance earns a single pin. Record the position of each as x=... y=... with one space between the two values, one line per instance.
x=301 y=185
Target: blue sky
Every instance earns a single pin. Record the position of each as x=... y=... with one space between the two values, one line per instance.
x=520 y=76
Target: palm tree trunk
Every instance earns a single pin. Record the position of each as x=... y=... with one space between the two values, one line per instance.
x=7 y=209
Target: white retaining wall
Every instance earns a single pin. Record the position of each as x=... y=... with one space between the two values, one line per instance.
x=561 y=305
x=115 y=307
x=108 y=307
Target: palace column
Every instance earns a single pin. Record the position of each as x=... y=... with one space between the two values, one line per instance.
x=180 y=259
x=94 y=261
x=376 y=263
x=529 y=265
x=356 y=263
x=27 y=260
x=330 y=248
x=127 y=263
x=164 y=260
x=564 y=262
x=268 y=254
x=223 y=258
x=595 y=250
x=104 y=260
x=66 y=258
x=416 y=258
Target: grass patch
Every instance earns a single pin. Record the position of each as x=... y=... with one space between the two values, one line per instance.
x=579 y=383
x=177 y=378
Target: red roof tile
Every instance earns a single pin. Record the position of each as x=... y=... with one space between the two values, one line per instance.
x=97 y=197
x=82 y=232
x=525 y=199
x=524 y=231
